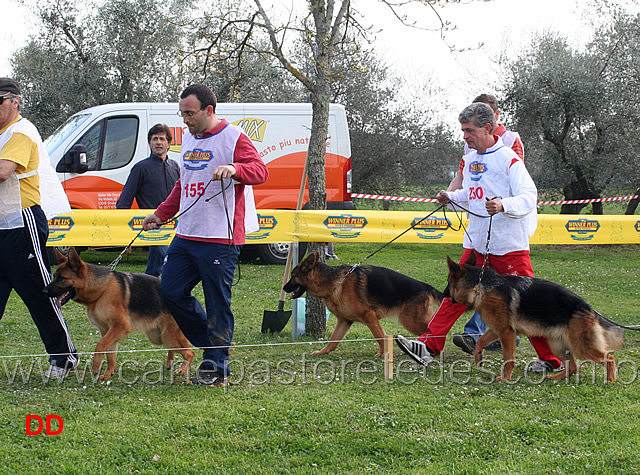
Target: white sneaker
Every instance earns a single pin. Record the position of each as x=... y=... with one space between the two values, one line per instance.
x=55 y=372
x=541 y=366
x=416 y=349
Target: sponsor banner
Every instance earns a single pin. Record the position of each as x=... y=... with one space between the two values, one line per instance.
x=119 y=227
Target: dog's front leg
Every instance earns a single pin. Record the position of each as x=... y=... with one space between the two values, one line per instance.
x=487 y=338
x=508 y=341
x=108 y=344
x=342 y=327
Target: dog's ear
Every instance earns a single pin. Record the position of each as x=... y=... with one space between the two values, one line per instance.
x=310 y=262
x=75 y=263
x=61 y=257
x=471 y=260
x=453 y=265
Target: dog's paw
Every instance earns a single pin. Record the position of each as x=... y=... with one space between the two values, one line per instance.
x=183 y=369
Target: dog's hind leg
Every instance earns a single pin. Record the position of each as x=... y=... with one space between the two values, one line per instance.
x=174 y=339
x=342 y=327
x=588 y=339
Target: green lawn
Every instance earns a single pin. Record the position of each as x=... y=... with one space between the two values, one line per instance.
x=292 y=412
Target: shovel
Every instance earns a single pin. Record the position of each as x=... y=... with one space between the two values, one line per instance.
x=275 y=321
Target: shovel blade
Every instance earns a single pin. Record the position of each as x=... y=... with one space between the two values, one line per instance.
x=275 y=321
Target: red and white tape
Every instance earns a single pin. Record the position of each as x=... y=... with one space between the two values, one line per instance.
x=433 y=200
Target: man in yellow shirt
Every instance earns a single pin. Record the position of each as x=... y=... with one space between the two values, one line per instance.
x=24 y=230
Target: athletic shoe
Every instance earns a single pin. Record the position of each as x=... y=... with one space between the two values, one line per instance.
x=497 y=346
x=541 y=366
x=415 y=349
x=465 y=342
x=55 y=372
x=217 y=382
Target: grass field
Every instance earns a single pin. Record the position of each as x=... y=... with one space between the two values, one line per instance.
x=291 y=412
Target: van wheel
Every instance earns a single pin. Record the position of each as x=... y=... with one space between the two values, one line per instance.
x=276 y=252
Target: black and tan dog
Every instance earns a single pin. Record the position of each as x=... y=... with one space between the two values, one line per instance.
x=118 y=303
x=534 y=307
x=366 y=295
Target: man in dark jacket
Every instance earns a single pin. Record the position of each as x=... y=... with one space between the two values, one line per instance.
x=150 y=182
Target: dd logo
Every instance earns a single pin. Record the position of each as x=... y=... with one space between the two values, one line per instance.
x=47 y=424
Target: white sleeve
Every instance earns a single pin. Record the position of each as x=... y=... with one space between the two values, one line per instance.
x=524 y=193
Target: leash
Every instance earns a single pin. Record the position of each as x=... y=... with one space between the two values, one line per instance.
x=355 y=266
x=485 y=256
x=229 y=232
x=117 y=260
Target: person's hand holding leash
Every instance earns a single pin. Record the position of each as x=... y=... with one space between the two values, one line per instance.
x=151 y=222
x=443 y=197
x=494 y=205
x=224 y=171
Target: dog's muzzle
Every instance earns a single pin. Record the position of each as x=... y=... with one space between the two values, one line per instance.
x=62 y=296
x=296 y=290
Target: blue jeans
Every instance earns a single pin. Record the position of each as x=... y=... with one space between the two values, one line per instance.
x=475 y=327
x=155 y=260
x=189 y=262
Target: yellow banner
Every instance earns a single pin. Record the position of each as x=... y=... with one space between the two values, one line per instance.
x=120 y=227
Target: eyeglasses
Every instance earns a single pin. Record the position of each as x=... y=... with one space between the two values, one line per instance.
x=11 y=97
x=188 y=114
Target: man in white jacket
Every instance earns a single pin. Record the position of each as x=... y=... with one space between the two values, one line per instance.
x=30 y=193
x=495 y=185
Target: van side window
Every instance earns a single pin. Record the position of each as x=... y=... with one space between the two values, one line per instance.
x=111 y=143
x=120 y=142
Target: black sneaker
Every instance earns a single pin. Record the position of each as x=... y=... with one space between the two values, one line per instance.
x=497 y=346
x=415 y=349
x=465 y=342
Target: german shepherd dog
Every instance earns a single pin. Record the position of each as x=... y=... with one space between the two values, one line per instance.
x=366 y=295
x=534 y=307
x=117 y=304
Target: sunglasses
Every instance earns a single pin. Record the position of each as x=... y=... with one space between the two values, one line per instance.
x=6 y=97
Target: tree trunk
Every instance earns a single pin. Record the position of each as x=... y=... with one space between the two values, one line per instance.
x=633 y=204
x=579 y=190
x=316 y=322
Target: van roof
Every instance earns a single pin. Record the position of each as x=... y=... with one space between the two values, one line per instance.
x=288 y=106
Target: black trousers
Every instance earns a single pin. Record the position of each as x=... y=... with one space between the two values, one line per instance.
x=25 y=268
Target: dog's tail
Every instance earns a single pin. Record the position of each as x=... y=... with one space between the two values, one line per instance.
x=612 y=331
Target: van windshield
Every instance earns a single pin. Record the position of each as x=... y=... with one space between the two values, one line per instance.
x=62 y=132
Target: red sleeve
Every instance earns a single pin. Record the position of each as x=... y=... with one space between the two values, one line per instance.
x=250 y=169
x=169 y=207
x=461 y=167
x=518 y=148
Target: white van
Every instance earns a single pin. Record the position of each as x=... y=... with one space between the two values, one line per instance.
x=95 y=149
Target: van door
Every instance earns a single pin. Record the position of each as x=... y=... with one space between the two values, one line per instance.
x=111 y=145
